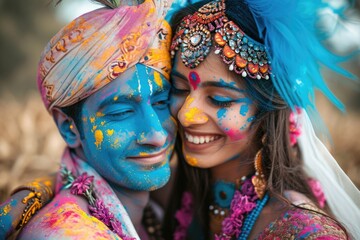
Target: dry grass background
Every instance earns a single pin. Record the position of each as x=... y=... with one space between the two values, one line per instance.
x=30 y=145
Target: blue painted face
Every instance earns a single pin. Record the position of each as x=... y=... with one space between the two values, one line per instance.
x=128 y=132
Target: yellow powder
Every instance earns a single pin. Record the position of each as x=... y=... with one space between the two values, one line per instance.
x=99 y=137
x=115 y=98
x=194 y=115
x=191 y=160
x=116 y=143
x=92 y=119
x=157 y=79
x=102 y=123
x=99 y=114
x=5 y=210
x=110 y=132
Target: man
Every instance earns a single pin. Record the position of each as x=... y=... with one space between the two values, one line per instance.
x=104 y=79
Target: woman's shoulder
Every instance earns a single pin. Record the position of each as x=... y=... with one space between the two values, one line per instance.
x=303 y=222
x=64 y=218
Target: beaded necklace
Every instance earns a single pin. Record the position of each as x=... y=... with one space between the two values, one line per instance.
x=245 y=208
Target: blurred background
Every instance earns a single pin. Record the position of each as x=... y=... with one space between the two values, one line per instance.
x=30 y=145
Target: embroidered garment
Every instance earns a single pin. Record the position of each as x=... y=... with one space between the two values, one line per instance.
x=103 y=190
x=299 y=223
x=68 y=216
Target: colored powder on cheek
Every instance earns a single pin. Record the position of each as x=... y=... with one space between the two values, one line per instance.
x=92 y=119
x=244 y=109
x=110 y=132
x=221 y=113
x=102 y=123
x=115 y=98
x=235 y=135
x=191 y=160
x=194 y=79
x=116 y=143
x=99 y=137
x=157 y=79
x=250 y=119
x=99 y=114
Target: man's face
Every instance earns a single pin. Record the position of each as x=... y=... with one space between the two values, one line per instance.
x=128 y=132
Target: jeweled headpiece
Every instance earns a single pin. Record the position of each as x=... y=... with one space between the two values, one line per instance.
x=193 y=37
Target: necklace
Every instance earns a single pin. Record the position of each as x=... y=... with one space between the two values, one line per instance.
x=152 y=224
x=245 y=207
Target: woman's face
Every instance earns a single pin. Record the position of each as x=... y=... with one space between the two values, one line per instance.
x=214 y=112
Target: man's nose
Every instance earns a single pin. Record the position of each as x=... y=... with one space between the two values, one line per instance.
x=152 y=132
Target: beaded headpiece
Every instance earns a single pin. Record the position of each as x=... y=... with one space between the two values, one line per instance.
x=244 y=55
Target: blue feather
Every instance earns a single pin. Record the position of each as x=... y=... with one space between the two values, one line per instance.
x=292 y=36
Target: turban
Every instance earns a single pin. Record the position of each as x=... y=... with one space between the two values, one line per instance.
x=95 y=48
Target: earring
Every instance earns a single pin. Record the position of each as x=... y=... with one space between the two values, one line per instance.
x=258 y=180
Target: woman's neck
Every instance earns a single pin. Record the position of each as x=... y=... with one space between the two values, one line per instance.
x=232 y=170
x=134 y=203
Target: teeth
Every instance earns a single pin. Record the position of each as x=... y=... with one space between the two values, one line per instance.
x=199 y=139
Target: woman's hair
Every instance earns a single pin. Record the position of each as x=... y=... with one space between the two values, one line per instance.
x=282 y=164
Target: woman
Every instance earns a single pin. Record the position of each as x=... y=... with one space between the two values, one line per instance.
x=243 y=81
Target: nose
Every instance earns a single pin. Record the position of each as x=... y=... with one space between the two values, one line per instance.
x=153 y=133
x=190 y=114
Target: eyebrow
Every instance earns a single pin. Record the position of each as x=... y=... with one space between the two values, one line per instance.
x=130 y=97
x=222 y=85
x=177 y=74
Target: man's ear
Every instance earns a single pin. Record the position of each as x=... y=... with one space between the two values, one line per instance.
x=67 y=128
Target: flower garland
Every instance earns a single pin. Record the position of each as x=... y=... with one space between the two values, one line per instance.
x=83 y=186
x=184 y=216
x=244 y=201
x=294 y=126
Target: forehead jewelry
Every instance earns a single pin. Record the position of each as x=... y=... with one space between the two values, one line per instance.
x=196 y=34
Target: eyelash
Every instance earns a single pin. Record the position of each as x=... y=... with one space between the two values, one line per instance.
x=222 y=104
x=177 y=91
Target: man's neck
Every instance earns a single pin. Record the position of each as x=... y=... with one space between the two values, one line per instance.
x=134 y=203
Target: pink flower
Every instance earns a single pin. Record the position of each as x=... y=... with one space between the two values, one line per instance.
x=81 y=184
x=232 y=225
x=183 y=217
x=186 y=200
x=116 y=227
x=180 y=234
x=101 y=212
x=317 y=191
x=294 y=127
x=247 y=188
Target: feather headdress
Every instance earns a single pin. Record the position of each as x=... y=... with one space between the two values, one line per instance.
x=291 y=33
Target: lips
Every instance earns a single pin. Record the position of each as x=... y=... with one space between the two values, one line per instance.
x=149 y=159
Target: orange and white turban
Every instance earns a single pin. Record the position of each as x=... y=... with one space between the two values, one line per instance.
x=98 y=46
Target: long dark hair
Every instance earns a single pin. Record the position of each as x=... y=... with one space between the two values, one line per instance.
x=282 y=163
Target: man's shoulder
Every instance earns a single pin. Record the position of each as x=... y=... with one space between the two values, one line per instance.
x=64 y=218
